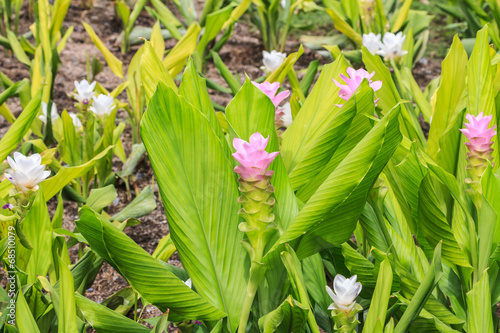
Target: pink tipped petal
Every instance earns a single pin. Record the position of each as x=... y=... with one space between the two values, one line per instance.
x=353 y=81
x=253 y=157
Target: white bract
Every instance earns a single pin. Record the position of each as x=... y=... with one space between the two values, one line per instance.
x=346 y=291
x=102 y=105
x=272 y=60
x=372 y=42
x=76 y=121
x=287 y=118
x=188 y=283
x=53 y=113
x=391 y=46
x=26 y=172
x=84 y=90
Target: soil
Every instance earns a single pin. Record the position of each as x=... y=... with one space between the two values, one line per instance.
x=242 y=54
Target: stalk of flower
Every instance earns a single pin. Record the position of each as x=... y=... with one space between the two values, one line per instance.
x=344 y=307
x=257 y=206
x=271 y=91
x=25 y=173
x=353 y=81
x=480 y=150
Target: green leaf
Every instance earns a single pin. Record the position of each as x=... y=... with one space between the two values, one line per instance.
x=67 y=309
x=161 y=325
x=100 y=198
x=177 y=57
x=153 y=72
x=479 y=311
x=435 y=227
x=423 y=292
x=17 y=48
x=105 y=320
x=331 y=214
x=28 y=323
x=232 y=82
x=200 y=194
x=380 y=299
x=16 y=132
x=139 y=268
x=142 y=205
x=290 y=316
x=113 y=62
x=54 y=184
x=341 y=25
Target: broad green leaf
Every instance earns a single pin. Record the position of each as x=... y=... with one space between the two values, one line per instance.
x=423 y=292
x=139 y=268
x=315 y=280
x=38 y=229
x=479 y=311
x=67 y=309
x=100 y=198
x=177 y=57
x=447 y=96
x=380 y=298
x=153 y=72
x=435 y=227
x=161 y=325
x=290 y=316
x=22 y=124
x=25 y=323
x=331 y=214
x=200 y=196
x=114 y=63
x=54 y=184
x=105 y=320
x=142 y=205
x=344 y=27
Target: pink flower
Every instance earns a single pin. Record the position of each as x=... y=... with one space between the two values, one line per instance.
x=253 y=157
x=270 y=89
x=353 y=81
x=478 y=133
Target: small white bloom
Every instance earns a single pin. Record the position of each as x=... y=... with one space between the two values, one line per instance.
x=84 y=90
x=283 y=3
x=53 y=113
x=287 y=118
x=188 y=283
x=372 y=42
x=26 y=172
x=102 y=105
x=76 y=121
x=272 y=61
x=391 y=46
x=346 y=291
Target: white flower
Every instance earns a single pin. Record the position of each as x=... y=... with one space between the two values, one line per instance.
x=84 y=90
x=287 y=118
x=372 y=42
x=272 y=61
x=26 y=172
x=188 y=283
x=76 y=121
x=53 y=113
x=283 y=3
x=346 y=291
x=392 y=46
x=102 y=105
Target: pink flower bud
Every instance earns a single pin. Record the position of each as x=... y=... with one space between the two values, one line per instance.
x=270 y=89
x=253 y=157
x=478 y=133
x=353 y=81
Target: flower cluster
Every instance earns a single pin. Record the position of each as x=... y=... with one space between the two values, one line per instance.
x=390 y=47
x=102 y=105
x=353 y=81
x=253 y=157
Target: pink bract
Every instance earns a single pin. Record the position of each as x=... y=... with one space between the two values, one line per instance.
x=353 y=81
x=270 y=89
x=478 y=133
x=253 y=157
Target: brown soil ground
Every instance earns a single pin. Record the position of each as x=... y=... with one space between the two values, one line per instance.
x=242 y=54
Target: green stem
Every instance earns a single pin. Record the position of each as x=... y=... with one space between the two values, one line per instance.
x=257 y=272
